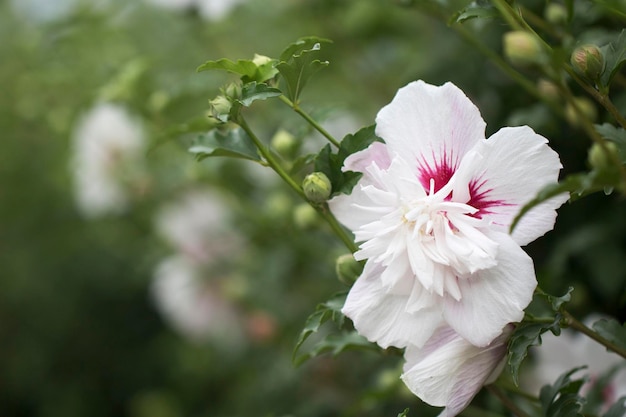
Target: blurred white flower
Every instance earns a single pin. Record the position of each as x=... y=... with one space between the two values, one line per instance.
x=209 y=9
x=448 y=371
x=432 y=212
x=198 y=226
x=194 y=308
x=559 y=354
x=108 y=157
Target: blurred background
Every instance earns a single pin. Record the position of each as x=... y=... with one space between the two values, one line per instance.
x=136 y=281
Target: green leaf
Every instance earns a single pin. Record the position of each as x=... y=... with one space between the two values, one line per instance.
x=331 y=163
x=405 y=413
x=557 y=302
x=618 y=409
x=614 y=56
x=577 y=185
x=246 y=68
x=476 y=9
x=561 y=399
x=298 y=64
x=234 y=143
x=303 y=44
x=611 y=330
x=525 y=336
x=253 y=91
x=328 y=310
x=614 y=134
x=337 y=343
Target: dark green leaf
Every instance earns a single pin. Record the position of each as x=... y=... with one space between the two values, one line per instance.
x=328 y=310
x=232 y=142
x=525 y=336
x=611 y=330
x=618 y=409
x=561 y=399
x=253 y=91
x=614 y=134
x=476 y=9
x=337 y=343
x=614 y=56
x=557 y=302
x=577 y=185
x=298 y=63
x=331 y=163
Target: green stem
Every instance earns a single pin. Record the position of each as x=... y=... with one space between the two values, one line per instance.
x=310 y=120
x=275 y=165
x=506 y=401
x=577 y=325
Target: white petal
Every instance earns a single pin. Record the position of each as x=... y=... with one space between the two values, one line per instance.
x=507 y=171
x=375 y=153
x=432 y=125
x=449 y=371
x=381 y=316
x=493 y=297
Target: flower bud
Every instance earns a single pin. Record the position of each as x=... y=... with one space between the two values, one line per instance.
x=601 y=157
x=316 y=187
x=284 y=143
x=220 y=107
x=548 y=90
x=305 y=216
x=555 y=13
x=232 y=91
x=585 y=106
x=259 y=60
x=348 y=269
x=588 y=61
x=521 y=48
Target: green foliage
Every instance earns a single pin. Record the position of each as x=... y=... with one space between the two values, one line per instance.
x=251 y=92
x=614 y=56
x=331 y=163
x=611 y=330
x=336 y=344
x=561 y=399
x=298 y=63
x=248 y=69
x=614 y=134
x=405 y=413
x=232 y=142
x=476 y=9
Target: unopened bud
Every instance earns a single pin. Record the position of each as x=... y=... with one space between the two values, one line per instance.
x=232 y=91
x=521 y=48
x=305 y=216
x=348 y=269
x=588 y=61
x=581 y=107
x=261 y=60
x=316 y=187
x=555 y=13
x=220 y=105
x=601 y=157
x=548 y=89
x=284 y=143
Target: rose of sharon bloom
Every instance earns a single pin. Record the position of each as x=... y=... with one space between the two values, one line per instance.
x=449 y=371
x=107 y=157
x=432 y=212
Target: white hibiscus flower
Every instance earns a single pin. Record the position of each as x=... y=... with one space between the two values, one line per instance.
x=432 y=212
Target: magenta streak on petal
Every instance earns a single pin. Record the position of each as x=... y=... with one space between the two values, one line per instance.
x=479 y=198
x=441 y=172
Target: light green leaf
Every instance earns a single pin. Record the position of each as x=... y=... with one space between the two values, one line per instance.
x=234 y=143
x=246 y=68
x=614 y=56
x=298 y=64
x=253 y=91
x=405 y=413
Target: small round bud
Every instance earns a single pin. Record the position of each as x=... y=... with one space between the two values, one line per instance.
x=601 y=157
x=588 y=61
x=316 y=187
x=284 y=143
x=232 y=91
x=584 y=106
x=555 y=13
x=348 y=269
x=548 y=90
x=521 y=48
x=305 y=216
x=220 y=105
